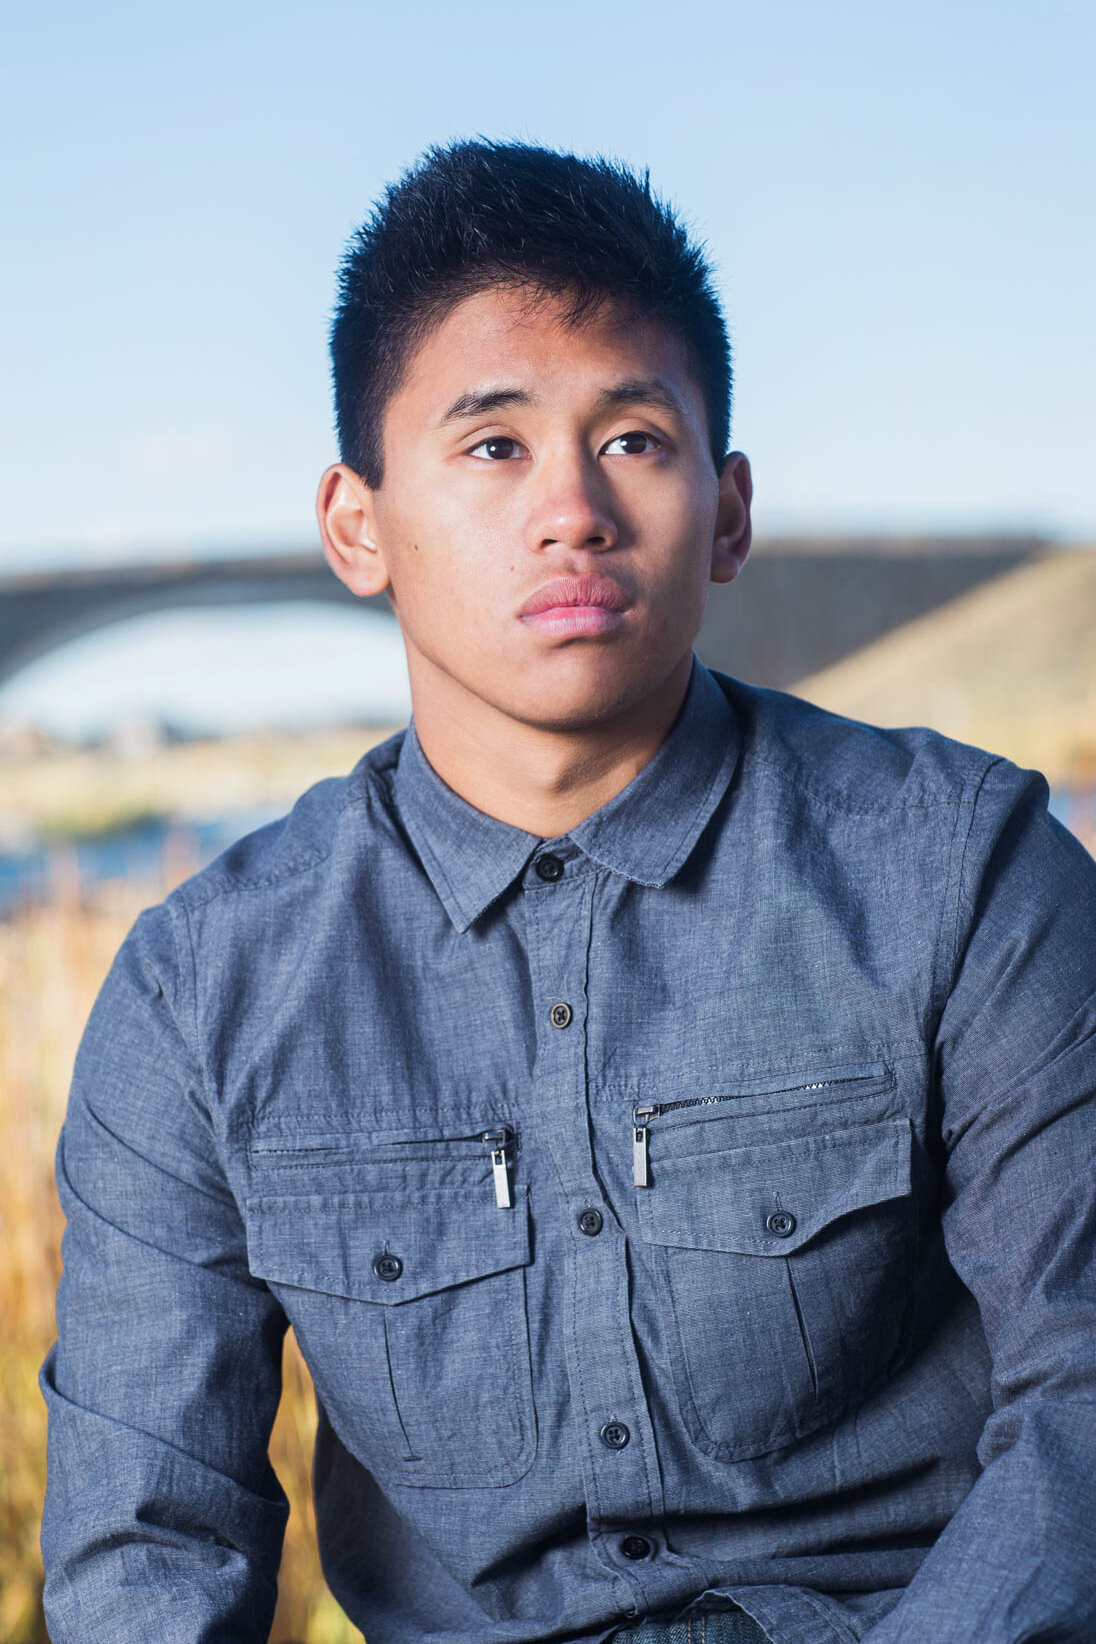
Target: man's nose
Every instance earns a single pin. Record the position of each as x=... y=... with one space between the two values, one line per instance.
x=571 y=506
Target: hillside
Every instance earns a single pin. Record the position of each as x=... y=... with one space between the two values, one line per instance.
x=1010 y=666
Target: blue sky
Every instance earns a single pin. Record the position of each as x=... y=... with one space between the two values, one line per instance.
x=898 y=200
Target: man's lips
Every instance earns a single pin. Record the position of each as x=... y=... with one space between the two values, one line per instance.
x=575 y=593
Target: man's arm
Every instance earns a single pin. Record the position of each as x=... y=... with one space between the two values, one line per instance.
x=1016 y=1063
x=163 y=1517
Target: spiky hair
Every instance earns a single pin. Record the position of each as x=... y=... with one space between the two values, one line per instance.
x=477 y=214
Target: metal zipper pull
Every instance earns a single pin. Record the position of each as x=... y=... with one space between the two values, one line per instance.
x=496 y=1141
x=639 y=1145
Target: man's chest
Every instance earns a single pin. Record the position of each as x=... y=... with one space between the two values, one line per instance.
x=471 y=1164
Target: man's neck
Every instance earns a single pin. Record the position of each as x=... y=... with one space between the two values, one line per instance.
x=544 y=781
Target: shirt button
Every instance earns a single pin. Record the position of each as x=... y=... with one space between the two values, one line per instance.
x=559 y=1015
x=781 y=1222
x=635 y=1546
x=589 y=1221
x=548 y=867
x=388 y=1267
x=615 y=1435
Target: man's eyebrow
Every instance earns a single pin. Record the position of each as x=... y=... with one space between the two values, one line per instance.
x=480 y=402
x=642 y=391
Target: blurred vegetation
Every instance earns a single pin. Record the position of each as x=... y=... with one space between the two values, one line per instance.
x=53 y=958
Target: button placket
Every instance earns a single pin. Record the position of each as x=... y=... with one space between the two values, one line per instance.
x=622 y=1483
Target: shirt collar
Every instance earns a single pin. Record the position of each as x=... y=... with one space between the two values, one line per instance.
x=645 y=831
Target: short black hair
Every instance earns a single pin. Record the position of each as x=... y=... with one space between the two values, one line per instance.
x=479 y=213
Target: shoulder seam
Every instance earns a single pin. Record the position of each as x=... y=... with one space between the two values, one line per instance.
x=192 y=990
x=794 y=770
x=231 y=884
x=960 y=869
x=788 y=762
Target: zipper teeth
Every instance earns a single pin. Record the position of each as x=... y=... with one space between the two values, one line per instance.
x=783 y=1090
x=488 y=1131
x=507 y=1133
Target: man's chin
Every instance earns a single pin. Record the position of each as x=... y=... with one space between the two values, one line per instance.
x=588 y=699
x=564 y=688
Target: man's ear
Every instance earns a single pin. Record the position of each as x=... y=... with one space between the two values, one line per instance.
x=346 y=516
x=731 y=542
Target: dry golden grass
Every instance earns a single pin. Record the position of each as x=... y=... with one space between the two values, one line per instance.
x=52 y=961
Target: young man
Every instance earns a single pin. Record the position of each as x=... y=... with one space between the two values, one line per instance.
x=663 y=1110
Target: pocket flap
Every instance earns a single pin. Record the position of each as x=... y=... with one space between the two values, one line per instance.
x=330 y=1241
x=770 y=1200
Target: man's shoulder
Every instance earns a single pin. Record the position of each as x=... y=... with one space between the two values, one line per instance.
x=300 y=840
x=851 y=764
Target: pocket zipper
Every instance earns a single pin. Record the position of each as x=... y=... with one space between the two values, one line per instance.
x=498 y=1143
x=643 y=1113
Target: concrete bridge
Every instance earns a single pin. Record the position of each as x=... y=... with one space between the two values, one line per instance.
x=799 y=605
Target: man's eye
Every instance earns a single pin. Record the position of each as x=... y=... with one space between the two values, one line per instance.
x=497 y=449
x=634 y=444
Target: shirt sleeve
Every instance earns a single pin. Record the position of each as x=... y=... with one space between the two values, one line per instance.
x=1016 y=1079
x=163 y=1517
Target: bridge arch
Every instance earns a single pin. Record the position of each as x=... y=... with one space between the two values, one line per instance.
x=42 y=611
x=800 y=605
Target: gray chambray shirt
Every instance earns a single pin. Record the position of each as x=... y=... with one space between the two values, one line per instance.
x=694 y=1208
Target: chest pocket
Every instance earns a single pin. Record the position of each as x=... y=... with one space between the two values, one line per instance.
x=786 y=1272
x=409 y=1306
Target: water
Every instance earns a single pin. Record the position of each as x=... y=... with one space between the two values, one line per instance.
x=135 y=852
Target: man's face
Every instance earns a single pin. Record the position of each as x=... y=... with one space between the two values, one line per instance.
x=520 y=450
